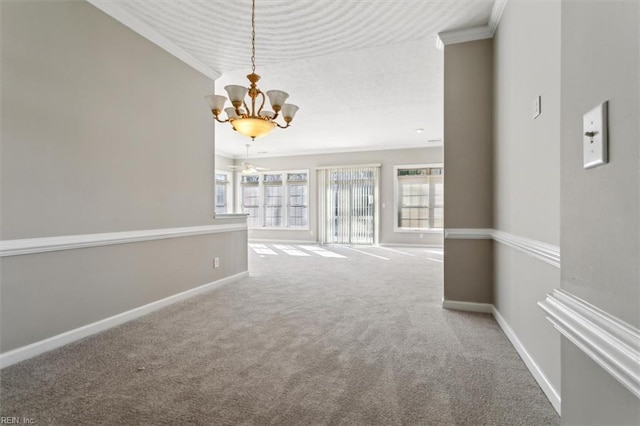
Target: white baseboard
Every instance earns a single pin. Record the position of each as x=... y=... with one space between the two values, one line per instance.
x=20 y=354
x=455 y=305
x=552 y=394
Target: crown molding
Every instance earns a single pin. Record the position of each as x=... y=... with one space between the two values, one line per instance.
x=464 y=35
x=610 y=342
x=112 y=9
x=336 y=151
x=496 y=15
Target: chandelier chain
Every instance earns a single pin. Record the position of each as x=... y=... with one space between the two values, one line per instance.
x=253 y=36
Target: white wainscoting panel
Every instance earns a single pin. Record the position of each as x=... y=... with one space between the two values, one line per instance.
x=69 y=242
x=610 y=342
x=37 y=348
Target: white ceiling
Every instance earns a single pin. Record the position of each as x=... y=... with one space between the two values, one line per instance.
x=365 y=73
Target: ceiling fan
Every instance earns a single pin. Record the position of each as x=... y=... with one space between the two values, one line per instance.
x=248 y=168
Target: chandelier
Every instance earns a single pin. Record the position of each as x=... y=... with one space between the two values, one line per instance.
x=244 y=117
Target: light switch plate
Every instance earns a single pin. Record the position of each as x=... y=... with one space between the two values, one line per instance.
x=536 y=110
x=595 y=136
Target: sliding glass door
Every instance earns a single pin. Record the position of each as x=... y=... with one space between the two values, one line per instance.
x=348 y=211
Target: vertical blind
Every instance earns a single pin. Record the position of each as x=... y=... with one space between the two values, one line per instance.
x=348 y=196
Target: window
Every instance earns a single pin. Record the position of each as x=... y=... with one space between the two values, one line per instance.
x=223 y=193
x=297 y=207
x=276 y=199
x=250 y=193
x=419 y=197
x=273 y=192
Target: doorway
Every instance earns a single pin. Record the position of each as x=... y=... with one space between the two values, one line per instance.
x=348 y=204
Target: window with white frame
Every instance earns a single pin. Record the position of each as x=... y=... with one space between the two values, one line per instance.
x=297 y=214
x=223 y=194
x=273 y=192
x=276 y=200
x=250 y=199
x=419 y=197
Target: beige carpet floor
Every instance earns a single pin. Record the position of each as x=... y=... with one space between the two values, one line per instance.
x=338 y=337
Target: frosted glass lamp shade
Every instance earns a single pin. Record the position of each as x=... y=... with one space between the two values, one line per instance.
x=289 y=111
x=277 y=98
x=231 y=112
x=236 y=93
x=252 y=127
x=268 y=114
x=216 y=102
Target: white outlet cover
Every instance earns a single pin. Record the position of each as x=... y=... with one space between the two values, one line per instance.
x=595 y=136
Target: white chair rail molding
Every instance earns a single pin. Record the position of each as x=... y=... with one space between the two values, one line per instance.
x=548 y=253
x=69 y=242
x=610 y=342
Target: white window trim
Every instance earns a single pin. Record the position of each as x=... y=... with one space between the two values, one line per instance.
x=396 y=206
x=230 y=190
x=285 y=198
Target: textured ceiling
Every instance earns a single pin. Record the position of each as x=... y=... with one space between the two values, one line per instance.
x=365 y=73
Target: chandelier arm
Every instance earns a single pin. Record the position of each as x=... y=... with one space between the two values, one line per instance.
x=215 y=116
x=264 y=98
x=246 y=108
x=282 y=127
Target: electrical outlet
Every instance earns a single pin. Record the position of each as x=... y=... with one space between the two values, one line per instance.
x=216 y=262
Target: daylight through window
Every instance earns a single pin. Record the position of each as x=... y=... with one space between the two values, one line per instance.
x=420 y=197
x=276 y=199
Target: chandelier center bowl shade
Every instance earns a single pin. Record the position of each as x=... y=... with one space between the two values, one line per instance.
x=250 y=118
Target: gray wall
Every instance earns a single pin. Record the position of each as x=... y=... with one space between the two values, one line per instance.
x=526 y=186
x=600 y=212
x=224 y=163
x=388 y=159
x=102 y=131
x=468 y=103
